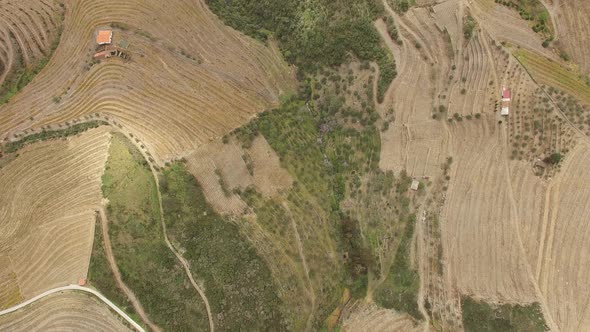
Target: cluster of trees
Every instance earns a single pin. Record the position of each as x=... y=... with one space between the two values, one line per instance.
x=313 y=35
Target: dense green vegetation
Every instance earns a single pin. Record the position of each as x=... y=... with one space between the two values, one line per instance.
x=481 y=316
x=101 y=276
x=359 y=258
x=51 y=134
x=401 y=6
x=314 y=34
x=237 y=282
x=400 y=289
x=146 y=264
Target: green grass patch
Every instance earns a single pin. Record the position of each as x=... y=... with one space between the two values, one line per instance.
x=237 y=282
x=51 y=134
x=481 y=316
x=400 y=290
x=146 y=264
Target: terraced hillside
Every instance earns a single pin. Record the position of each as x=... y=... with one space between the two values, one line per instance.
x=190 y=78
x=29 y=33
x=50 y=194
x=573 y=28
x=386 y=192
x=67 y=311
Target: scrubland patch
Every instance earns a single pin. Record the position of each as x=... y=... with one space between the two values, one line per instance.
x=147 y=265
x=237 y=283
x=481 y=316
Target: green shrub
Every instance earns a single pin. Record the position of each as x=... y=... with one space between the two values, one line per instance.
x=469 y=24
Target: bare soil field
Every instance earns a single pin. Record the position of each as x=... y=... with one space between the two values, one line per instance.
x=498 y=214
x=50 y=194
x=480 y=229
x=66 y=311
x=505 y=24
x=415 y=141
x=192 y=84
x=222 y=168
x=573 y=29
x=562 y=264
x=370 y=317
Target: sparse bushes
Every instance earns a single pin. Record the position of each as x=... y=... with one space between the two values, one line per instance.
x=468 y=26
x=531 y=10
x=401 y=6
x=51 y=134
x=392 y=29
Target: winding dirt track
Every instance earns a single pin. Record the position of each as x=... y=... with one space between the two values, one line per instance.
x=180 y=258
x=111 y=258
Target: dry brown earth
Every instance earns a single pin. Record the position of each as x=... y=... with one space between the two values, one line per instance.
x=505 y=24
x=370 y=317
x=573 y=29
x=66 y=311
x=50 y=195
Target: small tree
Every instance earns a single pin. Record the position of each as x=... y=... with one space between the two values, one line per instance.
x=554 y=158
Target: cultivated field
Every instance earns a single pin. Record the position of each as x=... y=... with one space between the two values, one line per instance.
x=504 y=24
x=50 y=194
x=302 y=199
x=222 y=168
x=481 y=228
x=573 y=29
x=562 y=266
x=66 y=311
x=190 y=78
x=369 y=317
x=494 y=207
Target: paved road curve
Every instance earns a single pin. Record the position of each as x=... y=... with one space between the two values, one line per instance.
x=78 y=288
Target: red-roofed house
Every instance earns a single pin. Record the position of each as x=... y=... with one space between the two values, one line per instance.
x=104 y=37
x=505 y=101
x=505 y=94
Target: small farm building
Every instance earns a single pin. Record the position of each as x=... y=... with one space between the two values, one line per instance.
x=104 y=37
x=506 y=97
x=415 y=185
x=505 y=94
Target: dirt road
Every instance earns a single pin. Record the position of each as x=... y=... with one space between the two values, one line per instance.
x=75 y=288
x=111 y=258
x=180 y=258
